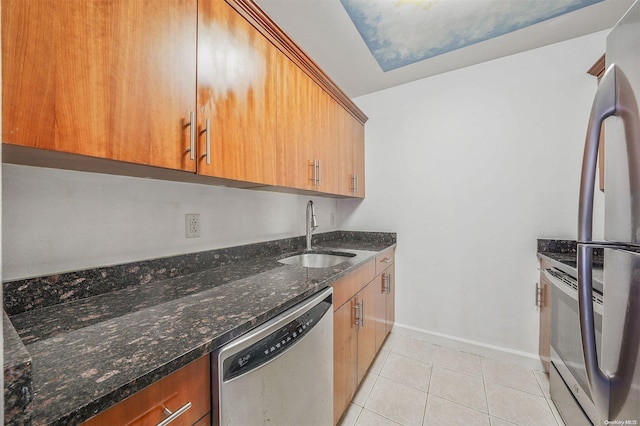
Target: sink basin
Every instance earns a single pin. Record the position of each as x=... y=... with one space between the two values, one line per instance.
x=317 y=260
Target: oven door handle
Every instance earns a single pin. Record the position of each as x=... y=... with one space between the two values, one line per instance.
x=613 y=97
x=599 y=381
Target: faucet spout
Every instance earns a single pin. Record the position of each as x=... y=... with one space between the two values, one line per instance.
x=311 y=222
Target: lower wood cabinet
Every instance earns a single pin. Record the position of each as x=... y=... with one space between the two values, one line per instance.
x=544 y=304
x=385 y=304
x=189 y=386
x=345 y=357
x=367 y=320
x=363 y=316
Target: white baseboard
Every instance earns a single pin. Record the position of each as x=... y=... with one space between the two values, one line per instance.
x=523 y=359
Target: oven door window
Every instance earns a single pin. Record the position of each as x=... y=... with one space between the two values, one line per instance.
x=566 y=337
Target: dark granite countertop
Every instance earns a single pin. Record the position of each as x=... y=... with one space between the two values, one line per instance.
x=93 y=351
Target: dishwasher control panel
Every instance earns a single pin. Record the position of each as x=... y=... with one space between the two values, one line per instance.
x=275 y=343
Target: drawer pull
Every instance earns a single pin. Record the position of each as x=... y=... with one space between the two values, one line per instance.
x=386 y=282
x=174 y=415
x=386 y=260
x=357 y=315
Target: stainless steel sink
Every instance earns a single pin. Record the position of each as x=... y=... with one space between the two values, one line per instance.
x=317 y=260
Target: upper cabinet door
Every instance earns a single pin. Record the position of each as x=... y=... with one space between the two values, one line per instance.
x=357 y=138
x=345 y=148
x=297 y=97
x=237 y=94
x=106 y=79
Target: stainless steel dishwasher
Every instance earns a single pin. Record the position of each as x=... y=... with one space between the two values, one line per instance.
x=280 y=373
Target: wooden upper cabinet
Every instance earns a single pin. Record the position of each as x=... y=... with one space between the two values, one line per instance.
x=237 y=94
x=357 y=139
x=308 y=132
x=79 y=77
x=297 y=95
x=206 y=86
x=346 y=151
x=350 y=145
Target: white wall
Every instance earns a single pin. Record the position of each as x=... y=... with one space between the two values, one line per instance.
x=60 y=220
x=470 y=168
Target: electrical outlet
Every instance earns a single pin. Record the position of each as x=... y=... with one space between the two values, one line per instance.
x=192 y=222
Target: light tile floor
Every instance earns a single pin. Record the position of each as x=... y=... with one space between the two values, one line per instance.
x=417 y=383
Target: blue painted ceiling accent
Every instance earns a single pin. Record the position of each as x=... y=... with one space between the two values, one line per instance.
x=401 y=32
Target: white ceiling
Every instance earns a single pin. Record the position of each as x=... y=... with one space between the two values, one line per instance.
x=325 y=31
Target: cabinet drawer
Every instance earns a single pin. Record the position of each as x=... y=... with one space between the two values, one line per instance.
x=346 y=287
x=384 y=259
x=190 y=384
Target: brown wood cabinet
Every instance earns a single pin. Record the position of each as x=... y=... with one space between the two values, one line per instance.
x=385 y=304
x=236 y=96
x=345 y=356
x=346 y=327
x=357 y=139
x=78 y=77
x=544 y=305
x=368 y=298
x=150 y=406
x=298 y=131
x=350 y=161
x=211 y=86
x=308 y=149
x=363 y=316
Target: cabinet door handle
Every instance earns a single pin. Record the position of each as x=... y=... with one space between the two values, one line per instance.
x=318 y=173
x=314 y=172
x=174 y=415
x=207 y=130
x=388 y=282
x=192 y=135
x=356 y=188
x=384 y=283
x=362 y=313
x=356 y=314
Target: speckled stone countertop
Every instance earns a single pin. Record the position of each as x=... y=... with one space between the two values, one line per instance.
x=561 y=254
x=564 y=252
x=557 y=250
x=98 y=347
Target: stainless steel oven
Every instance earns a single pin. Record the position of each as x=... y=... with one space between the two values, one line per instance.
x=568 y=377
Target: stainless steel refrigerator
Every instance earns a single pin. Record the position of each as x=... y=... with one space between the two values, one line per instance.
x=614 y=377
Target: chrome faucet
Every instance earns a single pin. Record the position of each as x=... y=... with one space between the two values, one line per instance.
x=312 y=223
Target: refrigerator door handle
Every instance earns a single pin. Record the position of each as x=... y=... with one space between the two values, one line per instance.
x=614 y=97
x=604 y=105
